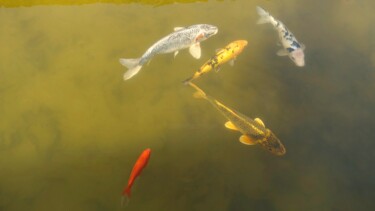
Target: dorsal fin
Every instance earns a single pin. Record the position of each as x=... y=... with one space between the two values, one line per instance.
x=259 y=121
x=218 y=50
x=230 y=125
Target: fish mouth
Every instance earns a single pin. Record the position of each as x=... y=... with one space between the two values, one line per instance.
x=300 y=63
x=280 y=152
x=216 y=31
x=274 y=145
x=242 y=42
x=299 y=57
x=212 y=32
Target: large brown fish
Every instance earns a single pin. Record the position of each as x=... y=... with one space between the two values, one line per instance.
x=253 y=131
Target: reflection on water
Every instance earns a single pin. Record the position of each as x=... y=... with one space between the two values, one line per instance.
x=71 y=128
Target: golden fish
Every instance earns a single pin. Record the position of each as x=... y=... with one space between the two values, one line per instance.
x=253 y=131
x=229 y=53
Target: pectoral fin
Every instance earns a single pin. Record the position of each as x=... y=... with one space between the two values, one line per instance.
x=230 y=125
x=282 y=52
x=259 y=121
x=231 y=62
x=217 y=68
x=247 y=140
x=302 y=46
x=175 y=54
x=178 y=28
x=195 y=50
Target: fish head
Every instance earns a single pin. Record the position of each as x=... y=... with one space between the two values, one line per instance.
x=147 y=151
x=298 y=57
x=273 y=144
x=237 y=46
x=207 y=31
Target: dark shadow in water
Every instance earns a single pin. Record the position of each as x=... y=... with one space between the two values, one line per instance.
x=240 y=201
x=95 y=205
x=40 y=127
x=11 y=3
x=5 y=198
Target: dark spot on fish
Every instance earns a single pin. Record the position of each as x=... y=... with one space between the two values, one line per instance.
x=213 y=62
x=290 y=50
x=295 y=44
x=286 y=34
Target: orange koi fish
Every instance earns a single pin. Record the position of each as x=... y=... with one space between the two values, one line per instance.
x=137 y=169
x=227 y=54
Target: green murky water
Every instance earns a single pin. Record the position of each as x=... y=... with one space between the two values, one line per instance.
x=71 y=128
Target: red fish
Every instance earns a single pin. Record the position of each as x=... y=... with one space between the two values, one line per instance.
x=137 y=169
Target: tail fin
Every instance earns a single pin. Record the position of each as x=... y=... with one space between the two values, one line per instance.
x=199 y=93
x=125 y=197
x=132 y=65
x=187 y=81
x=264 y=16
x=124 y=201
x=197 y=74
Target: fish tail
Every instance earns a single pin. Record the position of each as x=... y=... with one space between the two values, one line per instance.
x=124 y=201
x=199 y=93
x=125 y=197
x=187 y=81
x=132 y=65
x=127 y=192
x=265 y=17
x=196 y=75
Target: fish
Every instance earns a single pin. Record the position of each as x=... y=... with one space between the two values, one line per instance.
x=139 y=165
x=229 y=53
x=182 y=37
x=291 y=47
x=253 y=131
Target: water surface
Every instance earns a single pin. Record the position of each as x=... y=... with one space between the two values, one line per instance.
x=71 y=128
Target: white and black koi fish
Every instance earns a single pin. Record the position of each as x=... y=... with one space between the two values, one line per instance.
x=291 y=47
x=183 y=37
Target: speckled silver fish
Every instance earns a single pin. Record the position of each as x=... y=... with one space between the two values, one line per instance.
x=291 y=47
x=183 y=37
x=253 y=131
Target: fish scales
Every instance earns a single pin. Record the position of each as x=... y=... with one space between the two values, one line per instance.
x=227 y=54
x=181 y=38
x=168 y=45
x=244 y=124
x=291 y=47
x=253 y=131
